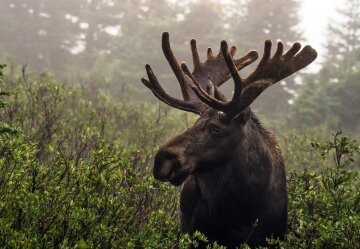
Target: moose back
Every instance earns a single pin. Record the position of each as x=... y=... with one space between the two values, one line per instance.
x=230 y=168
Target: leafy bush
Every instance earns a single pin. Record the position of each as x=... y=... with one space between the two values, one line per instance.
x=4 y=128
x=77 y=174
x=108 y=200
x=70 y=178
x=297 y=151
x=324 y=208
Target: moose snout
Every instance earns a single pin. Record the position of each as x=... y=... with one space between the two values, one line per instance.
x=166 y=162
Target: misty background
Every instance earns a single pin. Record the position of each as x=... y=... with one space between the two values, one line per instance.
x=104 y=44
x=79 y=131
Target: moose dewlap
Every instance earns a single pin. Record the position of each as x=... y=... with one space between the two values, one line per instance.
x=230 y=167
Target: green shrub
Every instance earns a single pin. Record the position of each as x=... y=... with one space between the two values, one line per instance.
x=324 y=208
x=76 y=173
x=4 y=128
x=297 y=151
x=106 y=201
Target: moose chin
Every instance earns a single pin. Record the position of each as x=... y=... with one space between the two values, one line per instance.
x=230 y=168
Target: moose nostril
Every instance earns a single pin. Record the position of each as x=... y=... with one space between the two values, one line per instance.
x=165 y=163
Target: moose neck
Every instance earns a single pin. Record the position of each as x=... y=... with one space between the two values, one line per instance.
x=246 y=162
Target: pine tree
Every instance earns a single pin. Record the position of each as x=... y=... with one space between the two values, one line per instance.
x=37 y=32
x=343 y=48
x=332 y=95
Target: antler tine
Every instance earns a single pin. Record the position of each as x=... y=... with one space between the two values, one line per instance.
x=233 y=51
x=228 y=107
x=210 y=54
x=154 y=85
x=280 y=50
x=175 y=65
x=273 y=69
x=195 y=54
x=204 y=96
x=238 y=84
x=215 y=68
x=292 y=51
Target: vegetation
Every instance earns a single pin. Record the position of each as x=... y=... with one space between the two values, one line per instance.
x=77 y=174
x=324 y=207
x=331 y=96
x=76 y=157
x=68 y=179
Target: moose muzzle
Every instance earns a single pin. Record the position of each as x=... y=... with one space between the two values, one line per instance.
x=168 y=167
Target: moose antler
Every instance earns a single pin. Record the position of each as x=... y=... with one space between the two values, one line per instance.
x=269 y=71
x=208 y=75
x=215 y=67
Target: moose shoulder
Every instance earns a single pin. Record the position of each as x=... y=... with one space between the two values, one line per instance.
x=230 y=167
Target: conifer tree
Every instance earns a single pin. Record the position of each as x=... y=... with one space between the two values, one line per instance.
x=332 y=95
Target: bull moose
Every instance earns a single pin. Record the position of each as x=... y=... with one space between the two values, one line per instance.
x=230 y=168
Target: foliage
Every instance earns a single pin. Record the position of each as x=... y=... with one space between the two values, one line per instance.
x=75 y=160
x=2 y=92
x=331 y=96
x=4 y=128
x=70 y=180
x=78 y=175
x=324 y=207
x=343 y=50
x=332 y=103
x=297 y=151
x=106 y=200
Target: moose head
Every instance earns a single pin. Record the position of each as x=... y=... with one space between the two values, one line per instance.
x=230 y=167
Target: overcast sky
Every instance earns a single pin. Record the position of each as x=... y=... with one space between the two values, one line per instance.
x=315 y=16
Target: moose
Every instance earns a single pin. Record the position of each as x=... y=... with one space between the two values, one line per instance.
x=229 y=167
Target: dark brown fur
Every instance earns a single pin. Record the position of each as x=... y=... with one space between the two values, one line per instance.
x=229 y=166
x=233 y=181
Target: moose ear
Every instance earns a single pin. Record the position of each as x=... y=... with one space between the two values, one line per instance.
x=243 y=116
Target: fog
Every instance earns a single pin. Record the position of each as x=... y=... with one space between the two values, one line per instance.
x=109 y=41
x=315 y=17
x=74 y=23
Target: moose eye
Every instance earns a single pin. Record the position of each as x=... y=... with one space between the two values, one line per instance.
x=215 y=130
